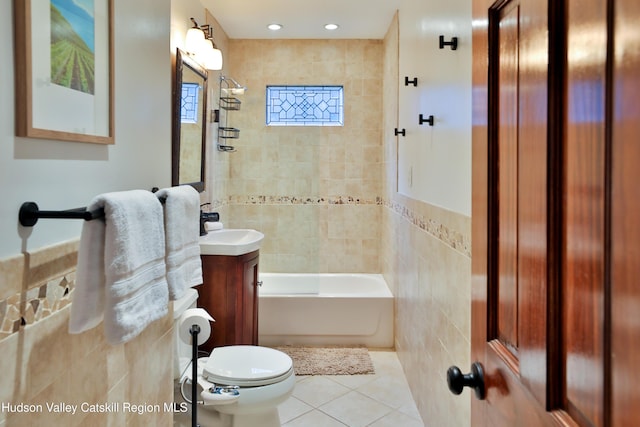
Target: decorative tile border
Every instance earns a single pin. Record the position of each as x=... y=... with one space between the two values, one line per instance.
x=303 y=200
x=43 y=300
x=453 y=238
x=39 y=303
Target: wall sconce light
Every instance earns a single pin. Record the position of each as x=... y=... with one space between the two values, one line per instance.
x=199 y=44
x=233 y=87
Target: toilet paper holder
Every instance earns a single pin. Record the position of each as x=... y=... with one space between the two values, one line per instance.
x=194 y=330
x=197 y=319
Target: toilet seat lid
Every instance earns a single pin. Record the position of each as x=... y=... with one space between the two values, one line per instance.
x=247 y=365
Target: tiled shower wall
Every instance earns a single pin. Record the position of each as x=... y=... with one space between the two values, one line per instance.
x=313 y=191
x=326 y=201
x=42 y=364
x=426 y=260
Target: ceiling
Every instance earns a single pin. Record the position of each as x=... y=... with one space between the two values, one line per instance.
x=303 y=19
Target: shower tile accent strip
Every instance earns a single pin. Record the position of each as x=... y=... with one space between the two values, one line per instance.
x=303 y=200
x=54 y=292
x=453 y=238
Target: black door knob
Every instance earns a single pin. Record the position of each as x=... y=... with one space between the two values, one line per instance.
x=457 y=381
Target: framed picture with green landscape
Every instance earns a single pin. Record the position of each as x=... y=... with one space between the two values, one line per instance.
x=64 y=70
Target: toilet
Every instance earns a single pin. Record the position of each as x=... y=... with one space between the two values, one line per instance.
x=251 y=381
x=242 y=384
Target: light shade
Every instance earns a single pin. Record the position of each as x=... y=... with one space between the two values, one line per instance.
x=194 y=40
x=202 y=49
x=210 y=57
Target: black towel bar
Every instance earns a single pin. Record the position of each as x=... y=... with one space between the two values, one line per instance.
x=30 y=214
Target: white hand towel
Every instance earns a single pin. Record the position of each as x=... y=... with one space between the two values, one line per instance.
x=121 y=271
x=182 y=230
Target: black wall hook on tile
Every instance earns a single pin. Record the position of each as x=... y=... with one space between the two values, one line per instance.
x=30 y=214
x=408 y=82
x=422 y=120
x=453 y=43
x=397 y=132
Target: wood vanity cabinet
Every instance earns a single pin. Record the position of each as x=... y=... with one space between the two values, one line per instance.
x=230 y=294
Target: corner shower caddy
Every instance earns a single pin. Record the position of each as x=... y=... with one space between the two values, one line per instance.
x=225 y=132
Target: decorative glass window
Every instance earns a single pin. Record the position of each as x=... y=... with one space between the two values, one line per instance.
x=189 y=102
x=305 y=106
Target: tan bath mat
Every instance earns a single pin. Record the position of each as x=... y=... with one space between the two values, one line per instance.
x=329 y=360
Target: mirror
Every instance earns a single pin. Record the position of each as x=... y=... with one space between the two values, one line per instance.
x=189 y=122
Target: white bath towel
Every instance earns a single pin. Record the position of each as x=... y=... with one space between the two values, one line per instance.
x=182 y=230
x=121 y=275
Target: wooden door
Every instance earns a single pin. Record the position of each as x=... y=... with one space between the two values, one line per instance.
x=624 y=255
x=556 y=212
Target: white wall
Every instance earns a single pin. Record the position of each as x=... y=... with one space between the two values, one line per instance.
x=63 y=175
x=434 y=162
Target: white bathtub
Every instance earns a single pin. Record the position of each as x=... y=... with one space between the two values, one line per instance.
x=325 y=309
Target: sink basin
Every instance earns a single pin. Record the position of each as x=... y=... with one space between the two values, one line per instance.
x=230 y=241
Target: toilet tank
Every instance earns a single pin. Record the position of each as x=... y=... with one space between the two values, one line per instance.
x=182 y=351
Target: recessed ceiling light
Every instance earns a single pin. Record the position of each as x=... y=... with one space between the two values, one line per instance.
x=331 y=27
x=274 y=27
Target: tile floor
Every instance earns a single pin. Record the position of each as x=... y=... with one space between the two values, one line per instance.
x=379 y=400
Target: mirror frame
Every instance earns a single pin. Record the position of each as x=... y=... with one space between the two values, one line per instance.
x=183 y=60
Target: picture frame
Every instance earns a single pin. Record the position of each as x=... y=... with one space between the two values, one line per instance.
x=64 y=70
